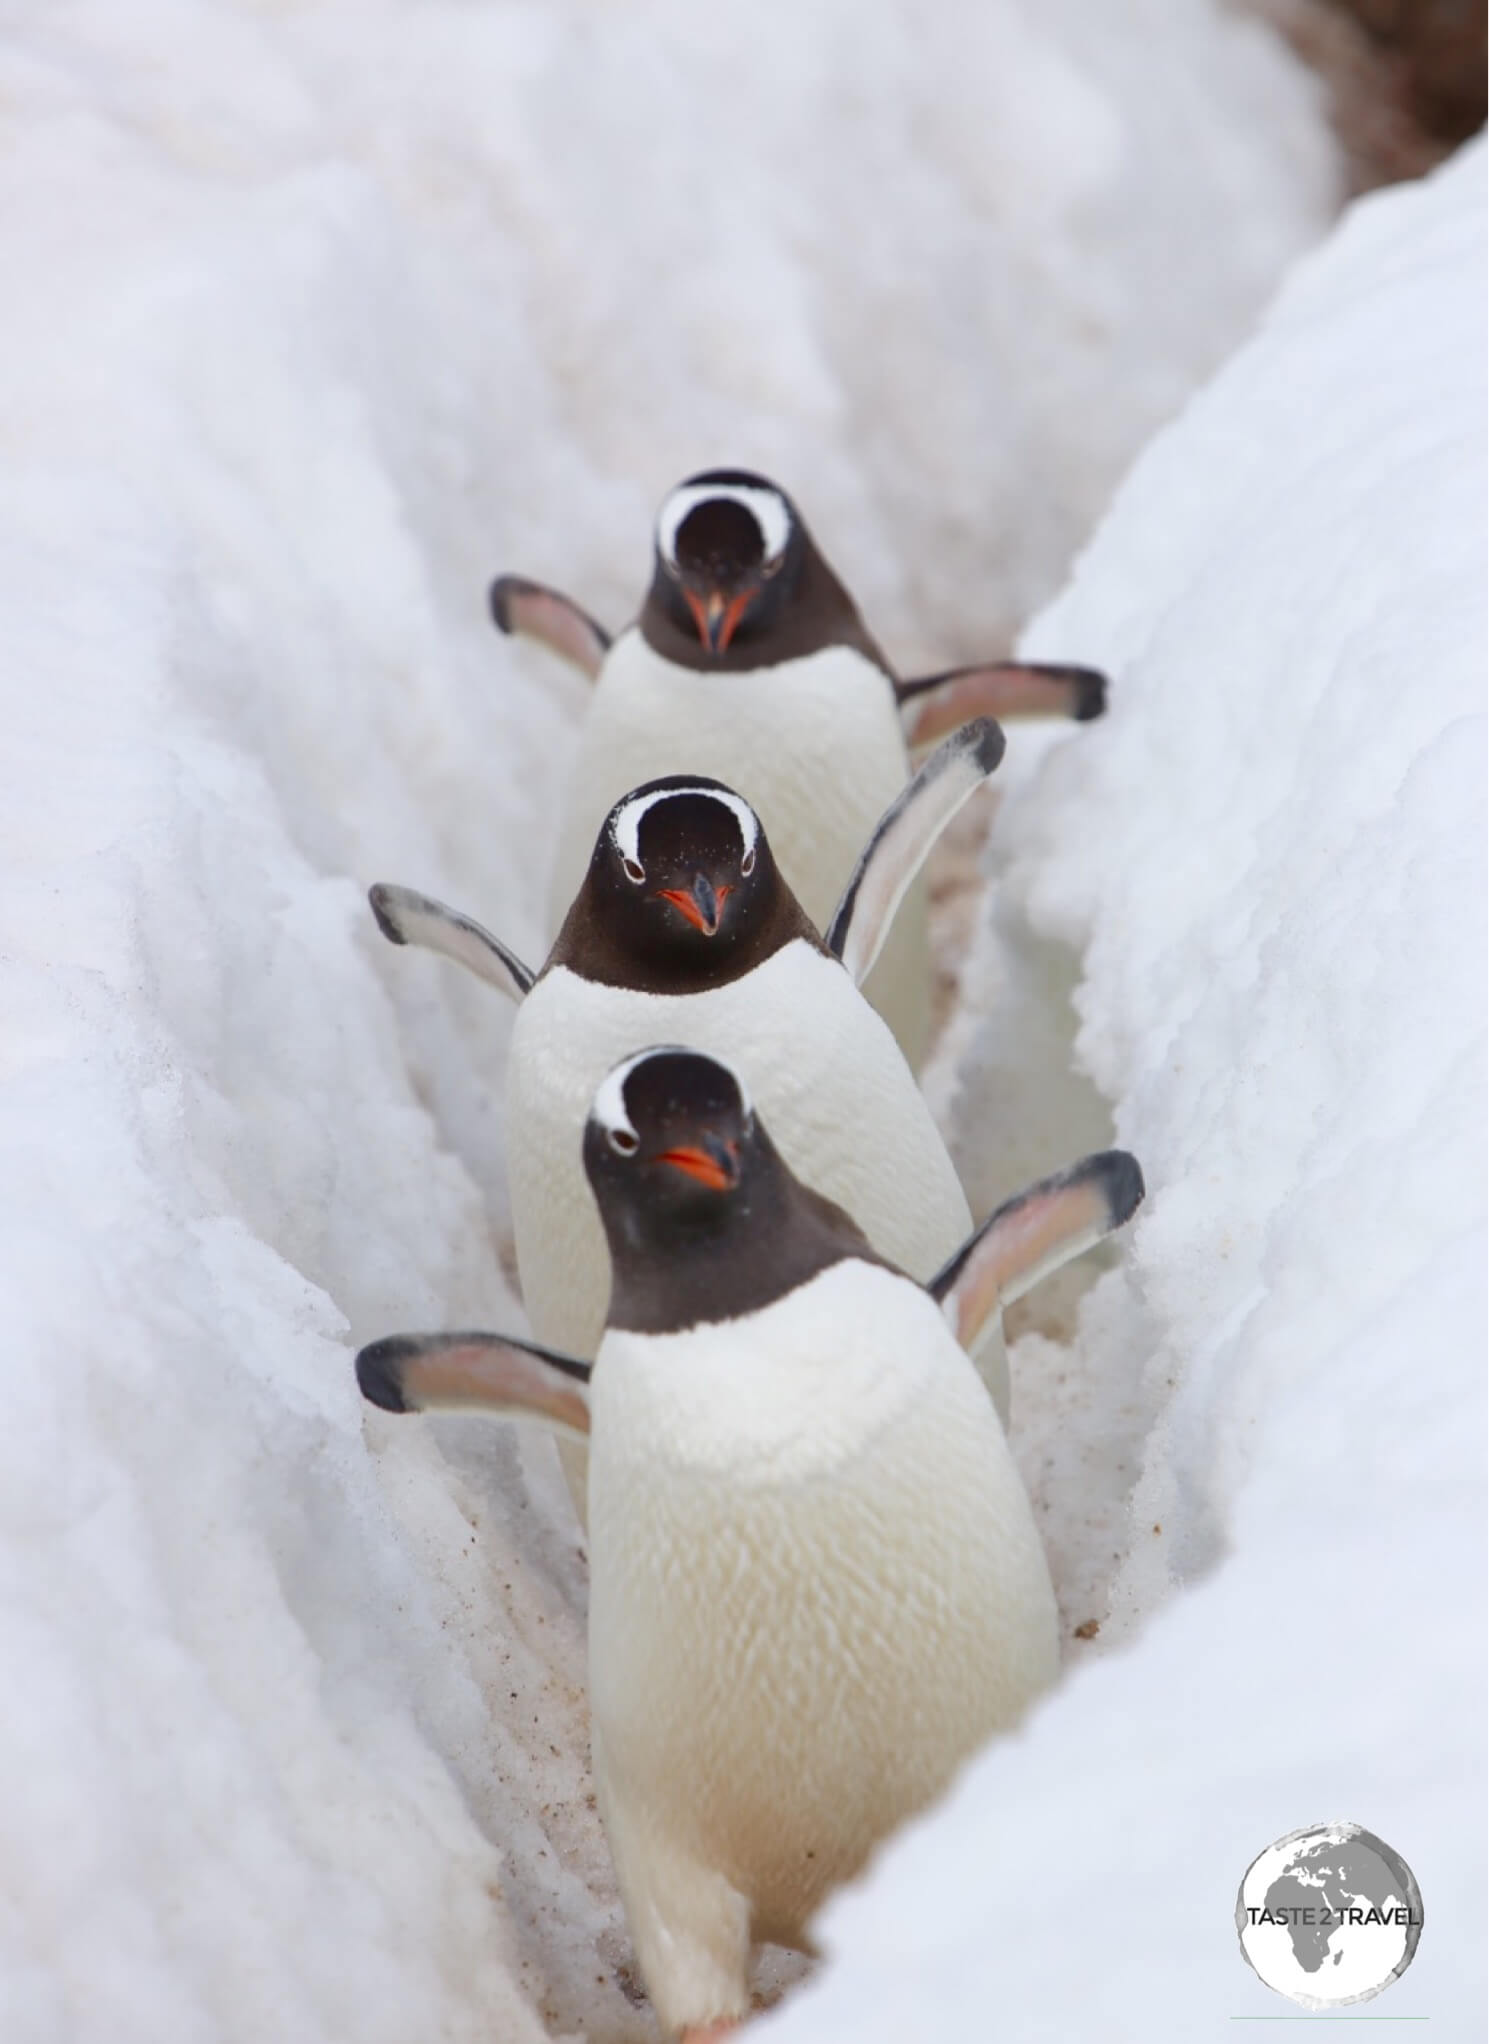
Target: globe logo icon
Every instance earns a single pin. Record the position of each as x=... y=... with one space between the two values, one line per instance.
x=1329 y=1915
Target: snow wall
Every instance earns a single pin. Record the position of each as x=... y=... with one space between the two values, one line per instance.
x=1270 y=864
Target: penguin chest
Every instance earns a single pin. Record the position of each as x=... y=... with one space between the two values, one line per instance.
x=824 y=1072
x=816 y=1583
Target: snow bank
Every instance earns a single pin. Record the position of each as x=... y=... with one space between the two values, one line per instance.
x=1270 y=861
x=314 y=317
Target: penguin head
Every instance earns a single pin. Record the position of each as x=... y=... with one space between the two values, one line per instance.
x=681 y=871
x=703 y=1217
x=729 y=551
x=669 y=1146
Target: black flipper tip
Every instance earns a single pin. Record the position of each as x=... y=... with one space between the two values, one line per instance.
x=499 y=597
x=1090 y=693
x=377 y=899
x=984 y=738
x=380 y=1372
x=1121 y=1179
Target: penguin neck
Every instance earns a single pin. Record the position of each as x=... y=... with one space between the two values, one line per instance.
x=592 y=945
x=769 y=1236
x=818 y=615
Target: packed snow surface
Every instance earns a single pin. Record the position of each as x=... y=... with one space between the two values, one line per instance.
x=315 y=317
x=1269 y=861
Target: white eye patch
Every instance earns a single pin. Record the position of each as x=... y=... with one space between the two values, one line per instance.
x=767 y=507
x=609 y=1105
x=625 y=819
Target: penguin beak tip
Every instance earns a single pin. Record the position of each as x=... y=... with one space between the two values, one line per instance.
x=718 y=617
x=702 y=904
x=712 y=1162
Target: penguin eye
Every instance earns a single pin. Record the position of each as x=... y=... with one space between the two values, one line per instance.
x=747 y=863
x=622 y=1139
x=634 y=870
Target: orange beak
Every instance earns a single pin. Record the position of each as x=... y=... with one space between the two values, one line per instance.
x=702 y=905
x=717 y=621
x=717 y=1167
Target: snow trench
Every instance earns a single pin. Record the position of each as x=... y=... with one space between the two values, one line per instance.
x=318 y=317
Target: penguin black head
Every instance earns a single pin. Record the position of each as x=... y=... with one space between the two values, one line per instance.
x=729 y=553
x=682 y=891
x=669 y=1145
x=703 y=1217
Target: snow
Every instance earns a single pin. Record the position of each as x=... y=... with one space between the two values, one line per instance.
x=1269 y=862
x=315 y=318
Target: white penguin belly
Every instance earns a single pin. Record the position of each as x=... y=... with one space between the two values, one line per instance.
x=823 y=1070
x=816 y=1588
x=815 y=746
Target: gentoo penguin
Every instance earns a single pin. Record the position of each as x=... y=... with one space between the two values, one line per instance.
x=684 y=929
x=750 y=662
x=816 y=1587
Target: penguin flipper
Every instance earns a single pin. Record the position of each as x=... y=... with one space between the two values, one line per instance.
x=937 y=703
x=472 y=1372
x=903 y=836
x=1034 y=1233
x=406 y=917
x=530 y=611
